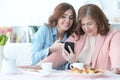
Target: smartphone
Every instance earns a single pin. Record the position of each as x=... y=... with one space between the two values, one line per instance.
x=71 y=44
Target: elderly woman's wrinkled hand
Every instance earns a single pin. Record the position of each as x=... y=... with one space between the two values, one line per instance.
x=70 y=57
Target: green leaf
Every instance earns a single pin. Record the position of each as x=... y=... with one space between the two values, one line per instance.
x=3 y=39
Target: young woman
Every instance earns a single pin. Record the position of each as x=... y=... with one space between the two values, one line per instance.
x=49 y=37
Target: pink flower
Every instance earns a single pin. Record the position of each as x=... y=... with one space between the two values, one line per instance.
x=5 y=32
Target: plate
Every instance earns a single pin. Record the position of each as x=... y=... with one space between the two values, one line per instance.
x=89 y=75
x=36 y=72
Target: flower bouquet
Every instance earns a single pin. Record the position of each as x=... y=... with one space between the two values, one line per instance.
x=4 y=35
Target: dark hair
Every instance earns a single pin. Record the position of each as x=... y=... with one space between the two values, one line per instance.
x=96 y=14
x=58 y=13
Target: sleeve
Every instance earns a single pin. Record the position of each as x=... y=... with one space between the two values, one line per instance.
x=56 y=58
x=115 y=50
x=38 y=41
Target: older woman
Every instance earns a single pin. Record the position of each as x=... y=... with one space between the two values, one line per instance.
x=96 y=43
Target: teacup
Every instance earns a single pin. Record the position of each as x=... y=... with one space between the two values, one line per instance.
x=47 y=66
x=77 y=65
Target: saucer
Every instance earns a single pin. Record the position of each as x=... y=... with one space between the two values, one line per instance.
x=47 y=71
x=36 y=72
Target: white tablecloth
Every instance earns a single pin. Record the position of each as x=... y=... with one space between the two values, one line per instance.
x=58 y=75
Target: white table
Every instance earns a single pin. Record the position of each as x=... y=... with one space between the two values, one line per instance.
x=57 y=75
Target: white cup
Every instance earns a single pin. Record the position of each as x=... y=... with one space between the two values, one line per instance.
x=47 y=66
x=77 y=65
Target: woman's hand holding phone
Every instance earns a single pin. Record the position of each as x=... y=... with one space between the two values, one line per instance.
x=68 y=52
x=71 y=44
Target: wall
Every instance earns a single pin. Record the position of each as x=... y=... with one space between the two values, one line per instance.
x=36 y=12
x=29 y=12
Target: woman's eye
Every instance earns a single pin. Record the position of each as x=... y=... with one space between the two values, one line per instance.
x=70 y=17
x=89 y=24
x=82 y=24
x=63 y=16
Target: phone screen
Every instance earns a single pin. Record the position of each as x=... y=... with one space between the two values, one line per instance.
x=71 y=44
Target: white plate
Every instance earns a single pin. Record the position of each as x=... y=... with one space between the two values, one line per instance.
x=36 y=72
x=92 y=75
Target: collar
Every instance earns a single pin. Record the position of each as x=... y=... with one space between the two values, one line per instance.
x=54 y=31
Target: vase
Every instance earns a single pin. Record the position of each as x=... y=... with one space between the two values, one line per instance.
x=1 y=56
x=9 y=66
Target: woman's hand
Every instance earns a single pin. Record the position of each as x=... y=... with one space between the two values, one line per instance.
x=116 y=69
x=35 y=67
x=56 y=45
x=70 y=57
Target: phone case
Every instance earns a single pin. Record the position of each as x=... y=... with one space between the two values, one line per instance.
x=71 y=44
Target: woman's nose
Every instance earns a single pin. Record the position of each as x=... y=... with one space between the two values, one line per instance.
x=86 y=27
x=67 y=20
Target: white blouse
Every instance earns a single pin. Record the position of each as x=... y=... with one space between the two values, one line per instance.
x=85 y=55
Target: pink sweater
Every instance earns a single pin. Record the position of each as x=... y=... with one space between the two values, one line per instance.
x=106 y=53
